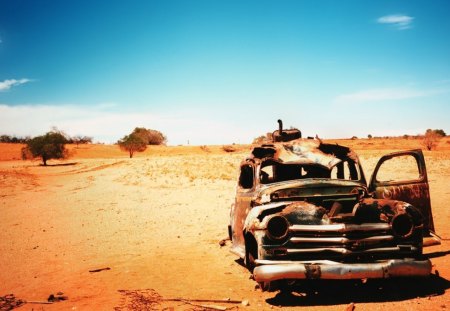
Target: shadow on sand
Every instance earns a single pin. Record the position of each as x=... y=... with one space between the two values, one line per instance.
x=438 y=254
x=59 y=164
x=333 y=292
x=324 y=293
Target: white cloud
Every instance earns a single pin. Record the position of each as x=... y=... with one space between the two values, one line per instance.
x=401 y=22
x=107 y=125
x=385 y=94
x=7 y=84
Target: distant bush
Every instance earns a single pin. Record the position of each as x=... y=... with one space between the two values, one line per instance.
x=431 y=139
x=205 y=148
x=13 y=139
x=228 y=148
x=439 y=132
x=260 y=140
x=80 y=140
x=46 y=147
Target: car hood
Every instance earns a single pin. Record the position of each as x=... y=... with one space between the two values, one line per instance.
x=312 y=187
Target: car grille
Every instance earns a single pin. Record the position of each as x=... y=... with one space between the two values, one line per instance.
x=341 y=241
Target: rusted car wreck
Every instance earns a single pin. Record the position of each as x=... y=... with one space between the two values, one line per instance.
x=303 y=210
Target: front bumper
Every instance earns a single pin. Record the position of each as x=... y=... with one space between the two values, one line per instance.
x=270 y=270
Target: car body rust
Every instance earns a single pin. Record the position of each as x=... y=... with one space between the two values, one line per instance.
x=304 y=210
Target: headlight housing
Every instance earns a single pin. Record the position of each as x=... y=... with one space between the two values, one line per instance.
x=402 y=225
x=277 y=227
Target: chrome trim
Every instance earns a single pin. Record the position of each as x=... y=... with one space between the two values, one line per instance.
x=340 y=227
x=340 y=271
x=260 y=262
x=341 y=240
x=345 y=251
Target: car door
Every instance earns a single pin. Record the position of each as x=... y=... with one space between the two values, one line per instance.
x=403 y=176
x=244 y=195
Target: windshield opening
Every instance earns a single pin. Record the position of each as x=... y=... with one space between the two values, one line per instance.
x=272 y=171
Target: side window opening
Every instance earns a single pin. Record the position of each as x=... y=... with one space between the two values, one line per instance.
x=267 y=174
x=401 y=168
x=246 y=176
x=347 y=170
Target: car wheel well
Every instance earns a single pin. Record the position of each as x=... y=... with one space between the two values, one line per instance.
x=251 y=250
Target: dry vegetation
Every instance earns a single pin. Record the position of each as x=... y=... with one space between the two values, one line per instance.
x=155 y=221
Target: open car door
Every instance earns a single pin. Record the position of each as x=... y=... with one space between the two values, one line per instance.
x=402 y=176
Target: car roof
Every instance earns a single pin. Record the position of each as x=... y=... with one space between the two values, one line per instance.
x=304 y=152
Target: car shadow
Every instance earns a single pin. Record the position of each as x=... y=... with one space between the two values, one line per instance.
x=326 y=292
x=438 y=254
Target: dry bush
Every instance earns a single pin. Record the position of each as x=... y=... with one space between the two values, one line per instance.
x=205 y=148
x=228 y=148
x=431 y=139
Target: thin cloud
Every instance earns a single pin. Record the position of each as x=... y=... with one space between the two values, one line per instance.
x=401 y=22
x=385 y=94
x=107 y=125
x=8 y=84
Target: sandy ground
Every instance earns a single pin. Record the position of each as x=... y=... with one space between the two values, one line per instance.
x=155 y=221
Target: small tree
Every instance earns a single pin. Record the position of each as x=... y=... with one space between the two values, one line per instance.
x=431 y=139
x=48 y=146
x=151 y=137
x=132 y=143
x=369 y=136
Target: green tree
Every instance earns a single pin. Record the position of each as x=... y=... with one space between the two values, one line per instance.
x=132 y=143
x=46 y=147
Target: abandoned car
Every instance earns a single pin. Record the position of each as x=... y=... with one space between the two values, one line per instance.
x=303 y=210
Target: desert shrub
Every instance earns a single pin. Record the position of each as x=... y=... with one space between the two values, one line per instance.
x=205 y=148
x=48 y=146
x=431 y=139
x=132 y=143
x=369 y=136
x=260 y=140
x=228 y=148
x=80 y=140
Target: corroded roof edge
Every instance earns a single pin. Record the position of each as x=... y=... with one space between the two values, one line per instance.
x=304 y=151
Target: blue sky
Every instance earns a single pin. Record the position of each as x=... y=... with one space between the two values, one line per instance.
x=218 y=72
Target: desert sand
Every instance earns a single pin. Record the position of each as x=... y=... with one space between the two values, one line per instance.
x=151 y=227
